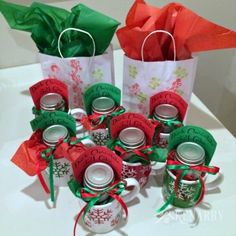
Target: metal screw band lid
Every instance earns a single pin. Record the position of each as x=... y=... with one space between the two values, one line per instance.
x=51 y=101
x=190 y=153
x=103 y=105
x=98 y=176
x=53 y=133
x=165 y=111
x=132 y=137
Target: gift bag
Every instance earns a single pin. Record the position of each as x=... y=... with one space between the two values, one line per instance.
x=79 y=72
x=142 y=79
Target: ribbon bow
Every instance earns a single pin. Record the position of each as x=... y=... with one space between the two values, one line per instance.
x=172 y=123
x=49 y=155
x=144 y=154
x=95 y=120
x=91 y=197
x=176 y=165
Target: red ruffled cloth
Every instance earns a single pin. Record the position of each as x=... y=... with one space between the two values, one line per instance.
x=28 y=156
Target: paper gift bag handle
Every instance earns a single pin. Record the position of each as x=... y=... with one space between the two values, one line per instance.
x=79 y=30
x=154 y=32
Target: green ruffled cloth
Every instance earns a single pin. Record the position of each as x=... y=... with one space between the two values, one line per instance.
x=45 y=23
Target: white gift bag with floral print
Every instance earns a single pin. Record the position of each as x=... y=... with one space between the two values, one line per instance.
x=141 y=79
x=79 y=72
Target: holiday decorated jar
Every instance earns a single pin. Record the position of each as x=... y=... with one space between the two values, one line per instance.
x=169 y=109
x=52 y=136
x=98 y=183
x=62 y=169
x=78 y=114
x=102 y=102
x=97 y=177
x=52 y=102
x=50 y=150
x=102 y=106
x=131 y=139
x=190 y=152
x=49 y=95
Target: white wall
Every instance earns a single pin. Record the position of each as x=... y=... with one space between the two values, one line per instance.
x=215 y=82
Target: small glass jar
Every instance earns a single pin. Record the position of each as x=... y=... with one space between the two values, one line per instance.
x=165 y=113
x=52 y=102
x=133 y=138
x=62 y=169
x=77 y=114
x=189 y=154
x=102 y=106
x=97 y=177
x=53 y=133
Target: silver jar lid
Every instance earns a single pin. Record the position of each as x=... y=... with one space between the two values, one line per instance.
x=51 y=102
x=103 y=105
x=98 y=176
x=165 y=112
x=53 y=133
x=132 y=137
x=190 y=153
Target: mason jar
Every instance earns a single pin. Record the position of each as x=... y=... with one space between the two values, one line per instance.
x=102 y=106
x=97 y=177
x=62 y=169
x=165 y=113
x=52 y=102
x=77 y=114
x=107 y=213
x=133 y=138
x=189 y=154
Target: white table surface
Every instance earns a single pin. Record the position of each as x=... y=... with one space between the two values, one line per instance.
x=25 y=208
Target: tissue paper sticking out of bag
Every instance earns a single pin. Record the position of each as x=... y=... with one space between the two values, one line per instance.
x=191 y=32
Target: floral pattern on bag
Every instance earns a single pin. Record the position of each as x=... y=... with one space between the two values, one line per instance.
x=181 y=72
x=79 y=72
x=154 y=83
x=135 y=89
x=154 y=77
x=142 y=97
x=97 y=74
x=77 y=82
x=133 y=71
